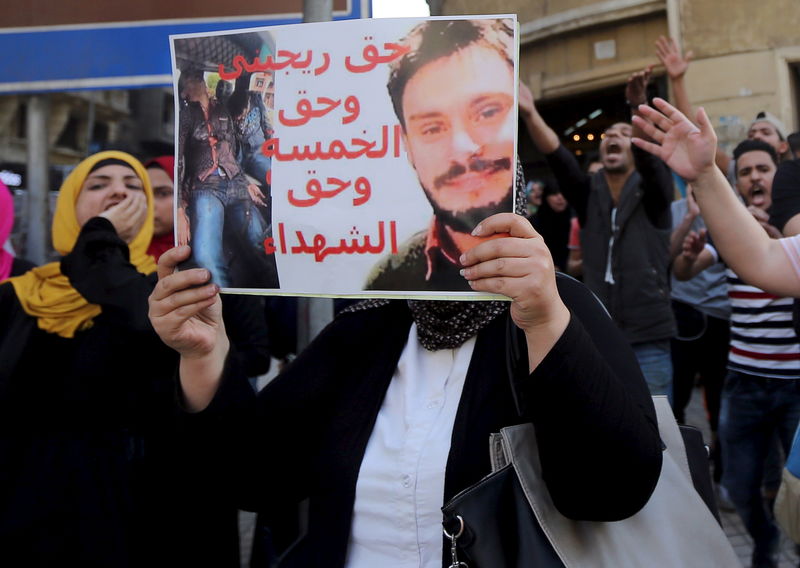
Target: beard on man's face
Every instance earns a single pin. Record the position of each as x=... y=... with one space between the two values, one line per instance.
x=466 y=220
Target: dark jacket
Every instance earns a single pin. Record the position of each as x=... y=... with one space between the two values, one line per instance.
x=88 y=475
x=305 y=435
x=639 y=299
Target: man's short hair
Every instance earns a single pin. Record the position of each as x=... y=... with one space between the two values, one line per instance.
x=754 y=146
x=434 y=39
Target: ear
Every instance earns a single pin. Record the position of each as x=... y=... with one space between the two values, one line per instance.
x=783 y=147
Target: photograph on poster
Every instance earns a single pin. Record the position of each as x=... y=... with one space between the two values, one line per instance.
x=345 y=158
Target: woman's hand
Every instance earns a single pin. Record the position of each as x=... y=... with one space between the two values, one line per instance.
x=186 y=312
x=688 y=150
x=519 y=265
x=128 y=216
x=185 y=308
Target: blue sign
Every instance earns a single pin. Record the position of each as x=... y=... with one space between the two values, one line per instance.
x=108 y=56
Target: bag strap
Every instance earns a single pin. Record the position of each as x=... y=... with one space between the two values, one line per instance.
x=671 y=434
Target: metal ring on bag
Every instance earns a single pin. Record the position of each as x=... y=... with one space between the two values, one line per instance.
x=460 y=529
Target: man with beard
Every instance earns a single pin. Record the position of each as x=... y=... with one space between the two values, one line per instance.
x=761 y=398
x=624 y=212
x=453 y=94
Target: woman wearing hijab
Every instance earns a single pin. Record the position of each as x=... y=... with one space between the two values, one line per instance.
x=10 y=265
x=80 y=395
x=387 y=414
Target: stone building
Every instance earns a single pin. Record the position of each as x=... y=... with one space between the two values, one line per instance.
x=577 y=54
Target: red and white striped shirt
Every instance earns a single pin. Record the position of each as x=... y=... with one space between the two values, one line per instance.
x=763 y=340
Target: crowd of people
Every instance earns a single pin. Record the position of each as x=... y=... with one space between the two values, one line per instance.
x=131 y=433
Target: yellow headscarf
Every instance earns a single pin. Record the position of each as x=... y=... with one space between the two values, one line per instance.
x=44 y=292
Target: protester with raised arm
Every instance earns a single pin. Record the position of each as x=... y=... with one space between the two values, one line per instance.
x=624 y=213
x=770 y=264
x=761 y=398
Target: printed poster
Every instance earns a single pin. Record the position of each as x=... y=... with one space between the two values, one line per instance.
x=346 y=158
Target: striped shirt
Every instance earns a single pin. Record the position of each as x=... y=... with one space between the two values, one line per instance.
x=763 y=340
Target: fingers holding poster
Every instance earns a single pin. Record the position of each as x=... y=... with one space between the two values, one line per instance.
x=349 y=160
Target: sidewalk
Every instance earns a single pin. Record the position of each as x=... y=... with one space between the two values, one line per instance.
x=731 y=522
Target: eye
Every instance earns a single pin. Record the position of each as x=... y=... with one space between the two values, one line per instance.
x=490 y=110
x=431 y=128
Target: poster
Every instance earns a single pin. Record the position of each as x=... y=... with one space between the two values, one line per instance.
x=344 y=158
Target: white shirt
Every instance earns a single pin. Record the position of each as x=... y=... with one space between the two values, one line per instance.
x=397 y=517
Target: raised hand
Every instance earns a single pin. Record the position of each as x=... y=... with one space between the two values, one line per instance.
x=688 y=150
x=636 y=87
x=128 y=216
x=693 y=244
x=525 y=100
x=670 y=56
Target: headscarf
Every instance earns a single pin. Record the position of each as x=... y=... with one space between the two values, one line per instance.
x=162 y=243
x=44 y=292
x=446 y=324
x=6 y=223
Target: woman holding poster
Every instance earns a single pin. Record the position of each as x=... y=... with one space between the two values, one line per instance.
x=386 y=415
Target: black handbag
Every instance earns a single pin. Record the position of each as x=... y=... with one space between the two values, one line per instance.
x=493 y=524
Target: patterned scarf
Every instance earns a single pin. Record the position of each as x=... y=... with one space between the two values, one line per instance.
x=446 y=324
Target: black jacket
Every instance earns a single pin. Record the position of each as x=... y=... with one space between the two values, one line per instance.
x=305 y=435
x=639 y=299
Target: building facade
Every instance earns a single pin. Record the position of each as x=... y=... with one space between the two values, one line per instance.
x=746 y=55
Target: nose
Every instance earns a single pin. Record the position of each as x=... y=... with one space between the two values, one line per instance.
x=464 y=144
x=118 y=188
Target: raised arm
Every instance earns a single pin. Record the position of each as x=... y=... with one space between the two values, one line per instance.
x=693 y=258
x=676 y=65
x=573 y=182
x=689 y=150
x=636 y=94
x=186 y=312
x=657 y=184
x=544 y=137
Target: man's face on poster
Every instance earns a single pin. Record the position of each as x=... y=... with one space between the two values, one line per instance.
x=459 y=135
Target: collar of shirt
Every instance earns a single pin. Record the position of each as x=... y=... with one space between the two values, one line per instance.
x=439 y=241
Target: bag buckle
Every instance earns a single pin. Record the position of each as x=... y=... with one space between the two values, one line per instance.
x=453 y=547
